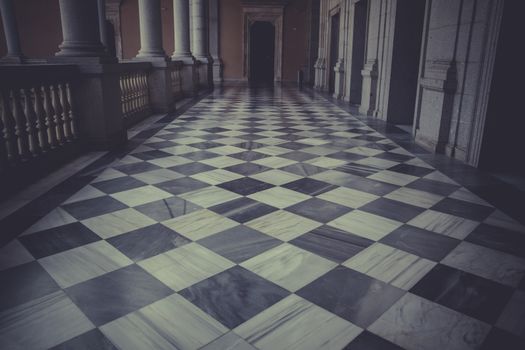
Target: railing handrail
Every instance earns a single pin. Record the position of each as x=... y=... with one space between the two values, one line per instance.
x=23 y=76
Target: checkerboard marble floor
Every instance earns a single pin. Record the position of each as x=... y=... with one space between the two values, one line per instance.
x=267 y=219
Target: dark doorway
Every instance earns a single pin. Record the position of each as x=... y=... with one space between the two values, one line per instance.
x=406 y=54
x=262 y=48
x=334 y=51
x=110 y=39
x=358 y=51
x=503 y=141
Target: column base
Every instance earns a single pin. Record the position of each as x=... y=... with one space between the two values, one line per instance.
x=13 y=59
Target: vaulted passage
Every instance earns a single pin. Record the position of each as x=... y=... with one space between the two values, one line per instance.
x=266 y=214
x=262 y=53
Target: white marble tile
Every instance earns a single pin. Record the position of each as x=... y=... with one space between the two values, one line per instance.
x=512 y=318
x=326 y=162
x=414 y=197
x=294 y=323
x=390 y=265
x=226 y=150
x=215 y=177
x=88 y=192
x=141 y=195
x=229 y=341
x=314 y=141
x=276 y=177
x=274 y=162
x=283 y=225
x=279 y=197
x=418 y=162
x=180 y=150
x=200 y=224
x=492 y=264
x=117 y=222
x=209 y=196
x=288 y=266
x=157 y=176
x=348 y=197
x=376 y=162
x=221 y=162
x=393 y=177
x=467 y=196
x=500 y=219
x=155 y=327
x=364 y=224
x=271 y=141
x=56 y=217
x=415 y=323
x=364 y=151
x=188 y=140
x=167 y=162
x=229 y=140
x=80 y=264
x=438 y=176
x=445 y=224
x=13 y=254
x=42 y=323
x=273 y=150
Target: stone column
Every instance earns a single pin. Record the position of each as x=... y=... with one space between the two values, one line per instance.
x=80 y=29
x=150 y=29
x=200 y=41
x=102 y=23
x=14 y=51
x=213 y=34
x=181 y=26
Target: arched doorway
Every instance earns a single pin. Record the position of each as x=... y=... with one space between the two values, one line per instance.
x=262 y=52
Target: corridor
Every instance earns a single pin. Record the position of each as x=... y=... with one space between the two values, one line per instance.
x=267 y=219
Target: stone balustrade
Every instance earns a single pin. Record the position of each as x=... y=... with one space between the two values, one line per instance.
x=135 y=92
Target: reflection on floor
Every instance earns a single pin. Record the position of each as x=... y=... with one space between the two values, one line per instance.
x=267 y=220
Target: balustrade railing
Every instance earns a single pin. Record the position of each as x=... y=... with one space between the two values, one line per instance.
x=37 y=114
x=176 y=80
x=134 y=94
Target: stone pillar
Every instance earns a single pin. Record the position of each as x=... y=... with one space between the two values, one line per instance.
x=200 y=40
x=181 y=26
x=150 y=29
x=80 y=29
x=14 y=51
x=102 y=23
x=213 y=34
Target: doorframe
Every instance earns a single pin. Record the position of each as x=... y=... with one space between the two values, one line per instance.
x=263 y=13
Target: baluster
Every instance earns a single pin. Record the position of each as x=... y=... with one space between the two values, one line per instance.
x=72 y=116
x=66 y=112
x=50 y=120
x=135 y=92
x=40 y=119
x=145 y=90
x=122 y=95
x=4 y=162
x=130 y=92
x=20 y=125
x=59 y=129
x=31 y=122
x=8 y=128
x=140 y=83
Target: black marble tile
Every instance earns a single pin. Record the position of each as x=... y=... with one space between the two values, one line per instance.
x=249 y=145
x=216 y=129
x=168 y=208
x=371 y=186
x=245 y=186
x=249 y=156
x=464 y=292
x=182 y=185
x=152 y=155
x=500 y=339
x=370 y=341
x=115 y=294
x=298 y=156
x=463 y=209
x=93 y=207
x=161 y=144
x=309 y=186
x=351 y=295
x=135 y=168
x=332 y=243
x=293 y=145
x=431 y=186
x=302 y=169
x=206 y=145
x=147 y=242
x=420 y=242
x=319 y=210
x=250 y=137
x=242 y=209
x=247 y=169
x=499 y=239
x=94 y=339
x=191 y=168
x=411 y=170
x=395 y=157
x=239 y=243
x=234 y=296
x=392 y=209
x=200 y=155
x=58 y=239
x=24 y=283
x=118 y=185
x=358 y=169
